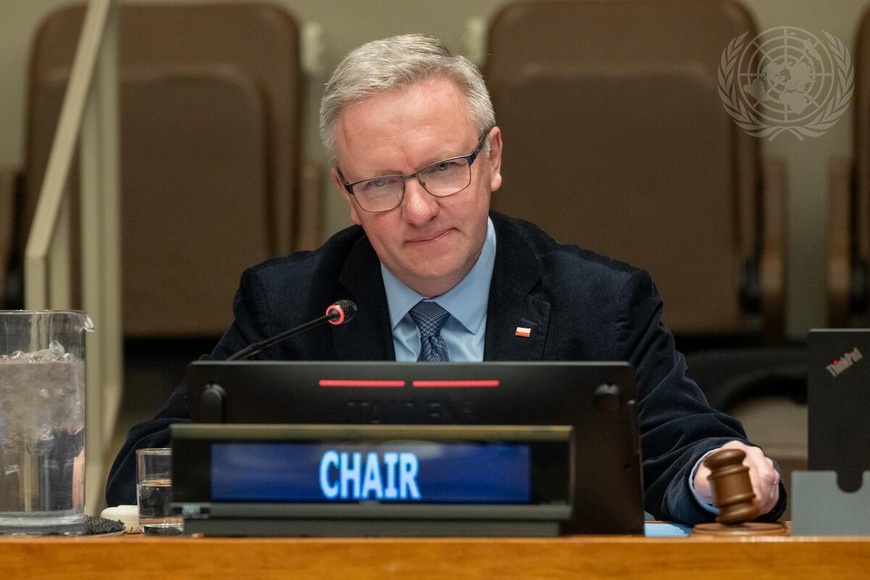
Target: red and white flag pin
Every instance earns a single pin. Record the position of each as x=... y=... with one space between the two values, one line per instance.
x=523 y=332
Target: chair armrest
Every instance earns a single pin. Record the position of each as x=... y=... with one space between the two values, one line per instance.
x=10 y=178
x=839 y=243
x=309 y=218
x=772 y=265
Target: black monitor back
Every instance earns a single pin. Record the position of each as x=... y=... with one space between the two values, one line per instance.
x=838 y=398
x=596 y=399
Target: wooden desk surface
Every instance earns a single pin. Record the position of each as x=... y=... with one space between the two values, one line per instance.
x=135 y=557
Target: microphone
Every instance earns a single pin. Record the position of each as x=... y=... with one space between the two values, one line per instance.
x=340 y=312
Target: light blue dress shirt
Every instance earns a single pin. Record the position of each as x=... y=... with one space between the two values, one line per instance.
x=466 y=302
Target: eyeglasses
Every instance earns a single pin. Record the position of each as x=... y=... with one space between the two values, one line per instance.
x=441 y=179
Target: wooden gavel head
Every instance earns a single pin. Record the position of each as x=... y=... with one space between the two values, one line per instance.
x=732 y=487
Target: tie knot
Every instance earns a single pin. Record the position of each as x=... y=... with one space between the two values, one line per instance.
x=429 y=317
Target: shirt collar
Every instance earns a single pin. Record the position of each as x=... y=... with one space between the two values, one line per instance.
x=466 y=302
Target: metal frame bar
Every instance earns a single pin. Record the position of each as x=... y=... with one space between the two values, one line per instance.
x=89 y=112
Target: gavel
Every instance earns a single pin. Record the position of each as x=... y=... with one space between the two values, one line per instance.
x=732 y=489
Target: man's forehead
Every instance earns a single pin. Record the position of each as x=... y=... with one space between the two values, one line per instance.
x=422 y=123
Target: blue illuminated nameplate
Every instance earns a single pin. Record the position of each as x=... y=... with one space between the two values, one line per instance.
x=372 y=480
x=385 y=471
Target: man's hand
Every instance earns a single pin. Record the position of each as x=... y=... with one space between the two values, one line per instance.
x=762 y=474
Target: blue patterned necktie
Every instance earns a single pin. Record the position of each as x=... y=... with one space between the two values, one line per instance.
x=429 y=318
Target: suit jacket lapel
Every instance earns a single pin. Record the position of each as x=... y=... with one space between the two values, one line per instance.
x=368 y=335
x=512 y=307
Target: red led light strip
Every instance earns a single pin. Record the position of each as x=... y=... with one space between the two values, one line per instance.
x=418 y=384
x=359 y=383
x=457 y=384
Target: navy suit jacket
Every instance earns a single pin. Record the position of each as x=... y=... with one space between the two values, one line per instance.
x=579 y=305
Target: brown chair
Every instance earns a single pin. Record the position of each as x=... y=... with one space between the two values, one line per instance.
x=211 y=165
x=848 y=251
x=616 y=140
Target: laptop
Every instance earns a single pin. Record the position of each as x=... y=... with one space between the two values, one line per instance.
x=591 y=405
x=838 y=397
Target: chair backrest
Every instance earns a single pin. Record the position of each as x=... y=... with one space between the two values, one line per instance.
x=210 y=149
x=848 y=252
x=861 y=209
x=616 y=139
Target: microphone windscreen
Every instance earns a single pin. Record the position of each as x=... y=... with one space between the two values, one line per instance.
x=341 y=312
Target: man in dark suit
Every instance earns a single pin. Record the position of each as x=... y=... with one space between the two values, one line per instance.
x=416 y=154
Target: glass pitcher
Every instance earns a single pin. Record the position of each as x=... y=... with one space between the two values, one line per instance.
x=42 y=421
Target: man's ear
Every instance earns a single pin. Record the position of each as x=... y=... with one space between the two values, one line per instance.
x=339 y=185
x=494 y=157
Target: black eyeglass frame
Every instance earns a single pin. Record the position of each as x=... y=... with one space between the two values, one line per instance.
x=470 y=158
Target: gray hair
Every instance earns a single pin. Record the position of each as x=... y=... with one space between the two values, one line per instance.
x=399 y=61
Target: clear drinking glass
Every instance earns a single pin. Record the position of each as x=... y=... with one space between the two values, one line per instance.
x=154 y=493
